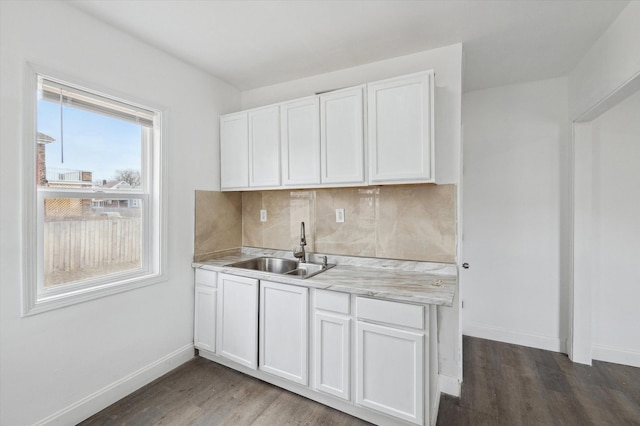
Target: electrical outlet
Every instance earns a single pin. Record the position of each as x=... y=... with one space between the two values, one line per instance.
x=263 y=215
x=340 y=215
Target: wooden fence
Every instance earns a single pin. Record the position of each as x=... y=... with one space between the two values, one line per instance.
x=77 y=244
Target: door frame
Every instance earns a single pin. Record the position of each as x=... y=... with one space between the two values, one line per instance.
x=580 y=336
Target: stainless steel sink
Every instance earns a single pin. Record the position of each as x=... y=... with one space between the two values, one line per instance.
x=267 y=264
x=307 y=270
x=277 y=265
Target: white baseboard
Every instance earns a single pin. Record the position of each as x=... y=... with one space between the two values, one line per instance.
x=616 y=356
x=450 y=385
x=515 y=337
x=101 y=399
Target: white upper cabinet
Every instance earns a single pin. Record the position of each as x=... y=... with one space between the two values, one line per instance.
x=342 y=136
x=378 y=133
x=301 y=142
x=264 y=147
x=400 y=129
x=234 y=151
x=250 y=149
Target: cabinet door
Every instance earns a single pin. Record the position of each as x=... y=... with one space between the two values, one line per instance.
x=283 y=330
x=234 y=151
x=332 y=354
x=301 y=142
x=342 y=136
x=400 y=117
x=204 y=333
x=390 y=373
x=264 y=147
x=237 y=319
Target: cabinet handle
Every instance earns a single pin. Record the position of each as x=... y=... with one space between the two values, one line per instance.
x=465 y=265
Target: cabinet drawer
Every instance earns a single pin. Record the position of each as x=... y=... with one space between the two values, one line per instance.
x=387 y=312
x=205 y=277
x=332 y=301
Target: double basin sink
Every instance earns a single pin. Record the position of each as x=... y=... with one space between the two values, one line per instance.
x=281 y=266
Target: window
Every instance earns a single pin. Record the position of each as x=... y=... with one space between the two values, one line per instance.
x=97 y=213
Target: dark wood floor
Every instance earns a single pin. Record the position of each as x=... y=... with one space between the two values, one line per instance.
x=202 y=392
x=515 y=385
x=504 y=385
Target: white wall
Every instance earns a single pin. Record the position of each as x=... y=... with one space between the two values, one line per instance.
x=615 y=184
x=66 y=364
x=613 y=60
x=516 y=152
x=447 y=64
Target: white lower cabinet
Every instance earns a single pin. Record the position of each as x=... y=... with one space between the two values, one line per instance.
x=332 y=343
x=372 y=358
x=332 y=354
x=237 y=319
x=390 y=371
x=284 y=330
x=204 y=331
x=391 y=360
x=204 y=335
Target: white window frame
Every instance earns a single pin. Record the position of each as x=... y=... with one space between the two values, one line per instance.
x=35 y=297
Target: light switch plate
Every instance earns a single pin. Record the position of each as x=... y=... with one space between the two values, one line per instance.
x=263 y=215
x=340 y=215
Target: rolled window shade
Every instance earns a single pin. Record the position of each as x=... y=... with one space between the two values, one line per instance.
x=78 y=98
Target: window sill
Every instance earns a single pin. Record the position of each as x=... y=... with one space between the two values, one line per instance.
x=47 y=303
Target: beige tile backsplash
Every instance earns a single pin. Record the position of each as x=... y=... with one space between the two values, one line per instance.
x=218 y=222
x=357 y=235
x=415 y=222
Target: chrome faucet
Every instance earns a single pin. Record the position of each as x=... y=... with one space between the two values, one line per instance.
x=299 y=252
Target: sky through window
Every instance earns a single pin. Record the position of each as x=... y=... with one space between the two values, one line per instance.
x=92 y=142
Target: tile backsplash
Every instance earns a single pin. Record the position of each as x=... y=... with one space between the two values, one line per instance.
x=414 y=222
x=218 y=222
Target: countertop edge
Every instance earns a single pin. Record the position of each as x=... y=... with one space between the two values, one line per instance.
x=337 y=278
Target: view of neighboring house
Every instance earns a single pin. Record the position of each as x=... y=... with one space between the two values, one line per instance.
x=70 y=178
x=115 y=204
x=61 y=178
x=41 y=167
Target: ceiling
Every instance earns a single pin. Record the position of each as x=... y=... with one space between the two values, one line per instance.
x=251 y=44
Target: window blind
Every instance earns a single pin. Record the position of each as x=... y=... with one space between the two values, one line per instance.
x=77 y=98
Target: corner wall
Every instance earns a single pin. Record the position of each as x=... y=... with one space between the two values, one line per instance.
x=608 y=73
x=516 y=214
x=611 y=62
x=218 y=222
x=615 y=186
x=64 y=365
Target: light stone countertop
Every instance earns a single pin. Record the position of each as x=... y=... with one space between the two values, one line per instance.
x=407 y=281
